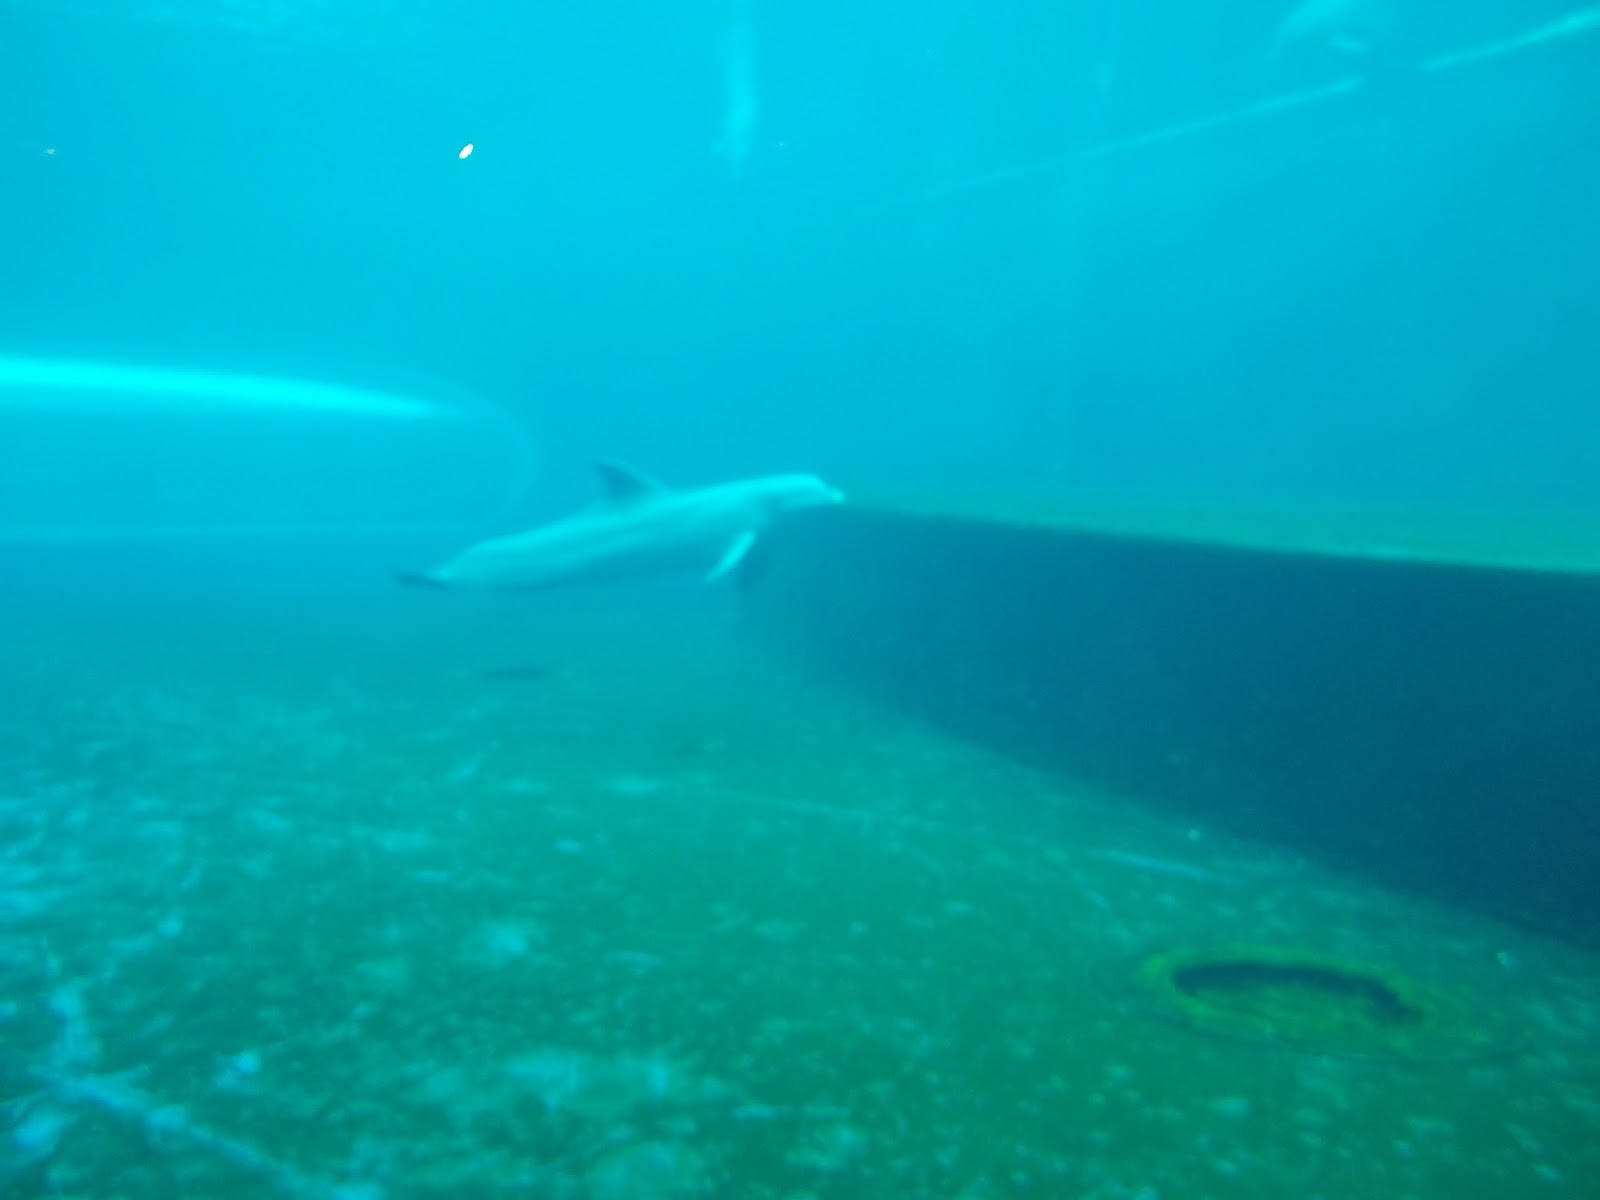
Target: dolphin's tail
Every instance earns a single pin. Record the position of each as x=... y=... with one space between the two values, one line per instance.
x=420 y=579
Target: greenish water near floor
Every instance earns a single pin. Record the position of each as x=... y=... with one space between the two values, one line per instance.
x=589 y=899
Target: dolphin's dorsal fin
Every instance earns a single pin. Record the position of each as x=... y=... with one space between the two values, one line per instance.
x=623 y=483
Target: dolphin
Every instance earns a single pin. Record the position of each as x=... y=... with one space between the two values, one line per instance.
x=640 y=529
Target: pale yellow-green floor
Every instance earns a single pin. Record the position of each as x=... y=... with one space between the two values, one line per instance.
x=1522 y=538
x=665 y=921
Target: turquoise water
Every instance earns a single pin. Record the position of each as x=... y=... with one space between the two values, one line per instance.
x=315 y=887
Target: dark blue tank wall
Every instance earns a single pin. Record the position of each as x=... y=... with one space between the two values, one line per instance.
x=1437 y=729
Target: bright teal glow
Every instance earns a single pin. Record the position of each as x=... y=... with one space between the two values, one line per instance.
x=54 y=384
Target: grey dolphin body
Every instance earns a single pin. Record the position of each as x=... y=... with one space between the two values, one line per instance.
x=639 y=530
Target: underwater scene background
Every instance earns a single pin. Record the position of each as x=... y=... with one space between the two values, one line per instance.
x=1173 y=770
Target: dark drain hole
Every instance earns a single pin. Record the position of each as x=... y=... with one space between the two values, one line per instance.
x=1244 y=983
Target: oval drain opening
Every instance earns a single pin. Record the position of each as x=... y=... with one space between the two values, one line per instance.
x=1299 y=992
x=1307 y=1002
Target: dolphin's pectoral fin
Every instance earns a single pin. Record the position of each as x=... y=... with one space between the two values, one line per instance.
x=734 y=556
x=623 y=483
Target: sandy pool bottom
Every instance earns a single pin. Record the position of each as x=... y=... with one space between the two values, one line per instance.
x=367 y=901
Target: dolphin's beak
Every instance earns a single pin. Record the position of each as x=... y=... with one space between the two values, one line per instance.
x=817 y=497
